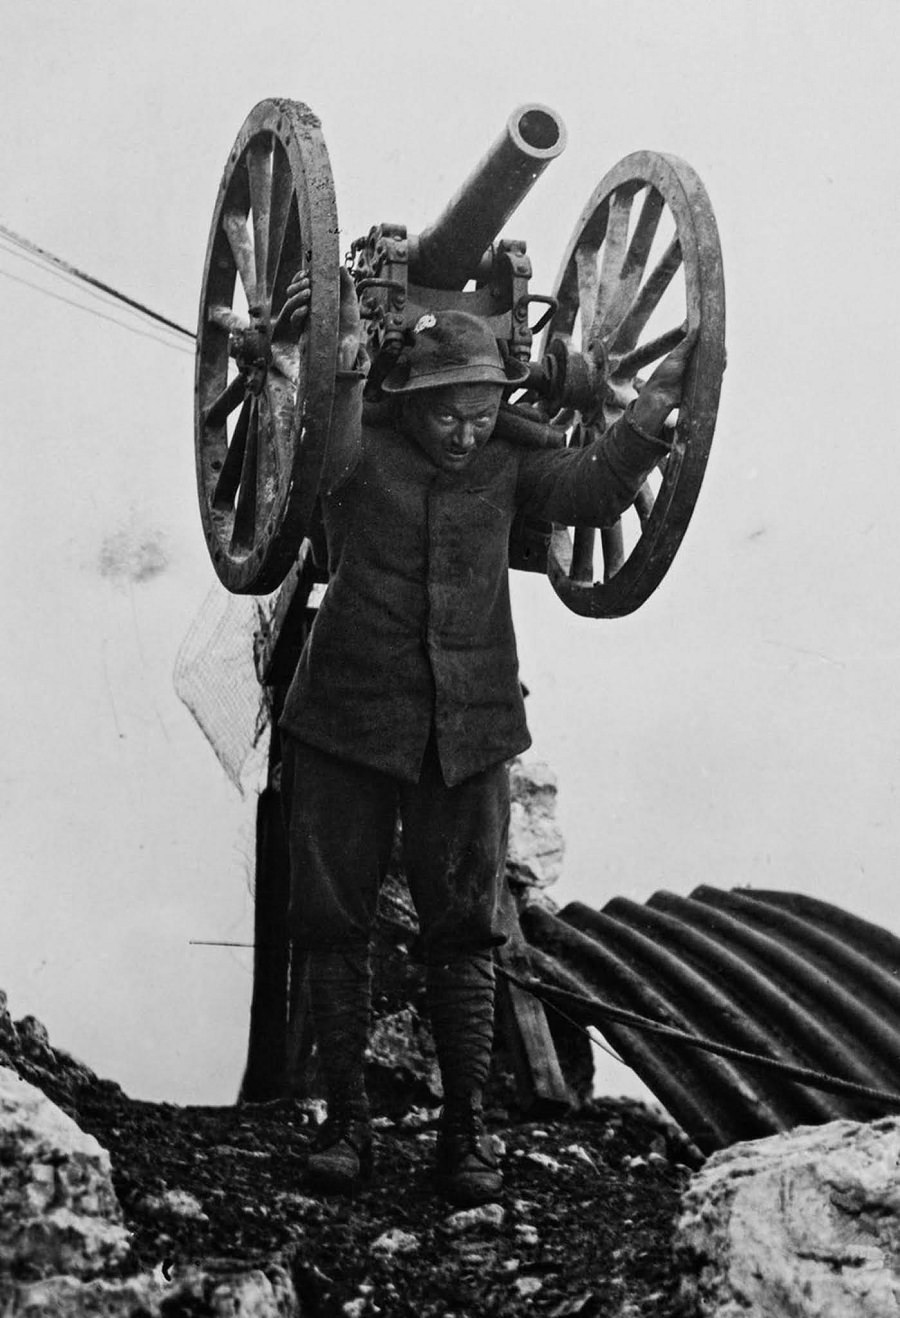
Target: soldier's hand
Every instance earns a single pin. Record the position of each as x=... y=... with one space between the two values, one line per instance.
x=662 y=392
x=295 y=311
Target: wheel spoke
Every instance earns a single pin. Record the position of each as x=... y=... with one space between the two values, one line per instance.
x=626 y=336
x=614 y=248
x=645 y=353
x=259 y=171
x=288 y=258
x=282 y=202
x=235 y=225
x=582 y=568
x=230 y=475
x=270 y=466
x=230 y=398
x=227 y=319
x=635 y=262
x=613 y=550
x=245 y=506
x=588 y=276
x=644 y=501
x=280 y=398
x=286 y=360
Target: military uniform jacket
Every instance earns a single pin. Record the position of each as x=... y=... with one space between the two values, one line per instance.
x=415 y=630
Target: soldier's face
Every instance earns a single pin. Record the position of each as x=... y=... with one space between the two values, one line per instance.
x=451 y=424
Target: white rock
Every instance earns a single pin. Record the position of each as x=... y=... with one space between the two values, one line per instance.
x=580 y=1152
x=58 y=1209
x=417 y=1117
x=254 y=1294
x=526 y=1286
x=526 y=1234
x=69 y=1297
x=395 y=1241
x=247 y=1294
x=535 y=850
x=470 y=1219
x=177 y=1202
x=800 y=1225
x=544 y=1160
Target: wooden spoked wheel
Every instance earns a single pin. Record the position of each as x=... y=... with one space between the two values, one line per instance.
x=263 y=400
x=643 y=268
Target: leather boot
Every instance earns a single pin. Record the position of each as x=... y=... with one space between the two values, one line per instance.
x=460 y=998
x=342 y=1159
x=340 y=992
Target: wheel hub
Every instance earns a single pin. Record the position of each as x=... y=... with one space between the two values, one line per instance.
x=252 y=352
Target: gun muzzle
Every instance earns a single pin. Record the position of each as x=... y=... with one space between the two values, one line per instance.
x=449 y=252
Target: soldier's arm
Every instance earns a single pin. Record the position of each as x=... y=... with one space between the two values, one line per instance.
x=593 y=485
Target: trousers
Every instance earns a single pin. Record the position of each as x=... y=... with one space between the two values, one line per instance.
x=341 y=819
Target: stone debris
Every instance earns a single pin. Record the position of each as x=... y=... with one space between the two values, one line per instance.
x=358 y=1307
x=310 y=1111
x=470 y=1219
x=544 y=1160
x=525 y=1286
x=400 y=1041
x=418 y=1117
x=229 y=1294
x=526 y=1234
x=58 y=1209
x=797 y=1225
x=233 y=1151
x=569 y=1308
x=536 y=846
x=177 y=1202
x=395 y=1241
x=25 y=1048
x=580 y=1152
x=633 y=1164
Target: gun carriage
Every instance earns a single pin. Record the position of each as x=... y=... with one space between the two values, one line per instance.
x=641 y=271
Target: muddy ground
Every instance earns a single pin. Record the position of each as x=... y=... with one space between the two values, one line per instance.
x=583 y=1226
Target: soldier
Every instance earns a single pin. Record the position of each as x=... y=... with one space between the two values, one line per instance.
x=407 y=700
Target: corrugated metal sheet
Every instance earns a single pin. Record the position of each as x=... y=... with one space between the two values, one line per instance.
x=774 y=973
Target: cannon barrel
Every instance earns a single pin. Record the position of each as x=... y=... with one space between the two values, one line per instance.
x=448 y=253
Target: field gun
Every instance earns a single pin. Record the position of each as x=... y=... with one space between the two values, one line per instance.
x=642 y=269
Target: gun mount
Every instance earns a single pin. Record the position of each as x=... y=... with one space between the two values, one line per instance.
x=643 y=269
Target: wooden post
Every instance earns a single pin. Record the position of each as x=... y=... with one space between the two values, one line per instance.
x=520 y=1016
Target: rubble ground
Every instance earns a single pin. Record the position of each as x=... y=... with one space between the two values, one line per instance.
x=583 y=1226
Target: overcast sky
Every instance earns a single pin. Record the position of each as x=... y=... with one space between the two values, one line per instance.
x=740 y=728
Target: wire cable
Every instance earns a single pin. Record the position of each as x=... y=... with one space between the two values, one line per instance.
x=60 y=264
x=92 y=311
x=548 y=995
x=46 y=268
